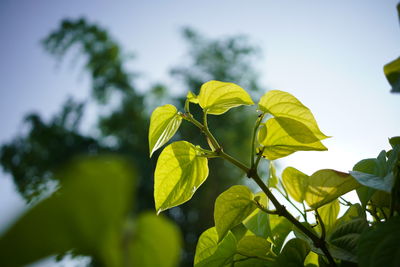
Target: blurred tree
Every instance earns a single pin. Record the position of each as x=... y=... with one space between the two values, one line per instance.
x=33 y=157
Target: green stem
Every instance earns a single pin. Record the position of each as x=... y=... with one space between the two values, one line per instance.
x=291 y=202
x=234 y=161
x=253 y=139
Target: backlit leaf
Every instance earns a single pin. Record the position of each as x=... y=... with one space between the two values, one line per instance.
x=164 y=123
x=86 y=215
x=280 y=228
x=218 y=97
x=295 y=183
x=327 y=185
x=279 y=143
x=149 y=231
x=329 y=213
x=232 y=207
x=258 y=221
x=292 y=115
x=254 y=246
x=179 y=172
x=211 y=253
x=192 y=97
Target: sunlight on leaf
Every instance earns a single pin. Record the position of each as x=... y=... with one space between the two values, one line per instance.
x=295 y=183
x=164 y=123
x=179 y=172
x=218 y=97
x=232 y=207
x=278 y=143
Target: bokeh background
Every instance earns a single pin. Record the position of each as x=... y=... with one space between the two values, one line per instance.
x=329 y=54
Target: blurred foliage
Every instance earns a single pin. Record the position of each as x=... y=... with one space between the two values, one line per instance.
x=32 y=157
x=88 y=215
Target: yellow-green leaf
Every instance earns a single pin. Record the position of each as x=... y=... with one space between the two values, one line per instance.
x=254 y=247
x=179 y=172
x=192 y=97
x=279 y=143
x=210 y=252
x=329 y=213
x=232 y=207
x=148 y=232
x=164 y=123
x=295 y=183
x=218 y=97
x=291 y=114
x=327 y=185
x=318 y=189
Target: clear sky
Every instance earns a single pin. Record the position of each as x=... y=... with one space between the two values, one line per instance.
x=329 y=54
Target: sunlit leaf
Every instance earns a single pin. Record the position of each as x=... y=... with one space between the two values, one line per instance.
x=232 y=207
x=148 y=232
x=179 y=172
x=295 y=183
x=218 y=97
x=211 y=253
x=273 y=179
x=192 y=97
x=86 y=214
x=329 y=213
x=164 y=123
x=293 y=254
x=292 y=116
x=327 y=185
x=392 y=73
x=279 y=143
x=380 y=246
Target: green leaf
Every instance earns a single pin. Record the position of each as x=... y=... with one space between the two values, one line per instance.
x=232 y=207
x=254 y=247
x=211 y=253
x=344 y=238
x=392 y=73
x=192 y=97
x=293 y=254
x=273 y=179
x=329 y=213
x=295 y=183
x=327 y=185
x=164 y=123
x=292 y=115
x=375 y=173
x=258 y=221
x=86 y=215
x=179 y=172
x=149 y=231
x=280 y=229
x=279 y=143
x=380 y=246
x=218 y=97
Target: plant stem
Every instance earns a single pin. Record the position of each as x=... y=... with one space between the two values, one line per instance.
x=288 y=200
x=253 y=139
x=323 y=229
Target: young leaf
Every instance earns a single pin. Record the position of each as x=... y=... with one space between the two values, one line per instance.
x=327 y=185
x=380 y=246
x=86 y=215
x=232 y=207
x=279 y=143
x=211 y=253
x=148 y=232
x=293 y=254
x=164 y=123
x=218 y=97
x=295 y=183
x=179 y=172
x=192 y=98
x=392 y=73
x=273 y=179
x=288 y=110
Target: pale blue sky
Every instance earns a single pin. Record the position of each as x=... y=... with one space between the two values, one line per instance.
x=329 y=54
